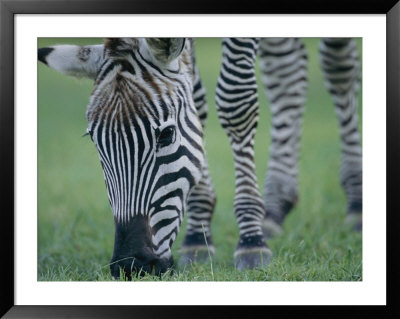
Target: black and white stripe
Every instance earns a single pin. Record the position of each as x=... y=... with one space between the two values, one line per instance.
x=146 y=116
x=132 y=104
x=237 y=104
x=341 y=65
x=283 y=63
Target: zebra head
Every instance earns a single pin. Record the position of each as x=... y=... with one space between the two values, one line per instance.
x=143 y=122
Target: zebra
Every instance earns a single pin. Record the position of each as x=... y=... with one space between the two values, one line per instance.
x=146 y=115
x=142 y=120
x=283 y=62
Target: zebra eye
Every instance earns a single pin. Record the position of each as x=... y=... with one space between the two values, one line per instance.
x=167 y=136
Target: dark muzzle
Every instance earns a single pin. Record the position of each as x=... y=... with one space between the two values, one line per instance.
x=139 y=265
x=133 y=253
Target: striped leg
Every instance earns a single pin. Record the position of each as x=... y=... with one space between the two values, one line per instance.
x=340 y=64
x=201 y=200
x=283 y=63
x=237 y=104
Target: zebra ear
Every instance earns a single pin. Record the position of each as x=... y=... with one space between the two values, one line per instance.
x=166 y=50
x=78 y=61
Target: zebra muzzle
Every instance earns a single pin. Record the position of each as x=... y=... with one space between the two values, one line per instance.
x=132 y=266
x=133 y=254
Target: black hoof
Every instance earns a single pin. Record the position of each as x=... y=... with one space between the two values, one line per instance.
x=354 y=214
x=354 y=207
x=274 y=218
x=252 y=252
x=195 y=254
x=354 y=220
x=196 y=249
x=253 y=258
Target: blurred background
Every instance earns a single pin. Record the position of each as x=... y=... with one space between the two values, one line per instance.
x=75 y=222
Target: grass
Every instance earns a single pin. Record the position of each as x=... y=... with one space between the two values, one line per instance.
x=75 y=223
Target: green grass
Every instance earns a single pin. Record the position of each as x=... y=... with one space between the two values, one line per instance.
x=75 y=223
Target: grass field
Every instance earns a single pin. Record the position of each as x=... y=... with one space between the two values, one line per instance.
x=75 y=223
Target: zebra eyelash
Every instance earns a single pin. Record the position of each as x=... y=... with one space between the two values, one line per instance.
x=88 y=132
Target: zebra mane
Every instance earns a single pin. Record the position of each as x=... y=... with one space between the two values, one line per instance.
x=120 y=46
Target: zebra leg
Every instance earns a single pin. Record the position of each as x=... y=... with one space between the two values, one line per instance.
x=283 y=62
x=341 y=67
x=198 y=245
x=237 y=104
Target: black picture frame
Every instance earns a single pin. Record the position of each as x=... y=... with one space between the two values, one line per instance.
x=8 y=10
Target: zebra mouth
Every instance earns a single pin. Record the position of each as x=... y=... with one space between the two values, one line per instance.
x=134 y=267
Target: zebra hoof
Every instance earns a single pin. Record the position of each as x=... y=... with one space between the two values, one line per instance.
x=354 y=214
x=354 y=220
x=195 y=254
x=252 y=252
x=259 y=257
x=270 y=228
